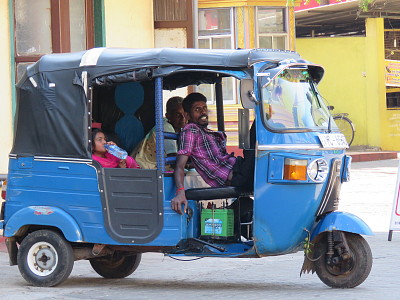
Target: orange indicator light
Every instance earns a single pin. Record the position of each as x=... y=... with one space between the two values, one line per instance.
x=295 y=169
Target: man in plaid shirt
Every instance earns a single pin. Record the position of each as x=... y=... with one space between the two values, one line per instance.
x=207 y=150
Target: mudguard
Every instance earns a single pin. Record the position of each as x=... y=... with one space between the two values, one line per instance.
x=44 y=216
x=341 y=221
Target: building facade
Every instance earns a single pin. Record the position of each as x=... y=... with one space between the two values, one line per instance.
x=361 y=56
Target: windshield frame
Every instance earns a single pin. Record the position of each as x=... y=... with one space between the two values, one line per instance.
x=316 y=73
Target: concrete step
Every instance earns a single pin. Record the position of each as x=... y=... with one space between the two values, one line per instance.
x=360 y=156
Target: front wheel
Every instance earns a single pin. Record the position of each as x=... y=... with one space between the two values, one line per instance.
x=337 y=272
x=118 y=265
x=45 y=258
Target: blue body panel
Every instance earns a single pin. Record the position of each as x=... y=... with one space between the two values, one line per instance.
x=70 y=192
x=341 y=221
x=66 y=187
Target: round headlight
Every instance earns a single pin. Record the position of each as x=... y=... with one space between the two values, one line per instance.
x=317 y=170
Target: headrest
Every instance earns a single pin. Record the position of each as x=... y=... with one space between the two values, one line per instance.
x=129 y=97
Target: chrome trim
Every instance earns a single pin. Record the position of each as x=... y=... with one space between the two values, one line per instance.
x=290 y=147
x=334 y=175
x=296 y=147
x=58 y=159
x=62 y=159
x=322 y=170
x=256 y=149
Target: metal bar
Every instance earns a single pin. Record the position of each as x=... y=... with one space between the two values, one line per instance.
x=220 y=104
x=159 y=124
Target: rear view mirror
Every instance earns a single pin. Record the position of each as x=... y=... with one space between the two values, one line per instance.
x=247 y=95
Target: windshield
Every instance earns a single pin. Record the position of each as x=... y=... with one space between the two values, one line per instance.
x=291 y=101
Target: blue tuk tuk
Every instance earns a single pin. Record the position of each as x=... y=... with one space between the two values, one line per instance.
x=61 y=206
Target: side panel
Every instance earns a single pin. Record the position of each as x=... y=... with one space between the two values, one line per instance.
x=70 y=187
x=132 y=204
x=73 y=188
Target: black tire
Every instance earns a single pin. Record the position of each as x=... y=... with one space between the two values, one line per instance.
x=344 y=275
x=45 y=258
x=118 y=265
x=346 y=127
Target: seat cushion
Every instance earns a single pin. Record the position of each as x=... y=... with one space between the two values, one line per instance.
x=216 y=193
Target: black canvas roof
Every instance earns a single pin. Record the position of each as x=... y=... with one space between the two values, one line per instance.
x=52 y=108
x=101 y=61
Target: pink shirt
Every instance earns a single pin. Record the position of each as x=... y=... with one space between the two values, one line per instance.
x=111 y=161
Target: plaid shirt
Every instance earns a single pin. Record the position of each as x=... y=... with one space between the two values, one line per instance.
x=207 y=149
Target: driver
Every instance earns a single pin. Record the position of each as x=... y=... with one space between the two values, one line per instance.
x=207 y=150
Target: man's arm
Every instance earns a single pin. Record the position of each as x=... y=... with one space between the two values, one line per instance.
x=179 y=173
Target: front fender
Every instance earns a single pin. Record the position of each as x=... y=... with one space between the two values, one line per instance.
x=341 y=221
x=44 y=216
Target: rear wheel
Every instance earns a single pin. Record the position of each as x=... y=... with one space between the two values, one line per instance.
x=346 y=127
x=45 y=258
x=118 y=265
x=339 y=272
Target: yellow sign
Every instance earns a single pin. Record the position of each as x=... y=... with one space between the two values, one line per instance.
x=392 y=72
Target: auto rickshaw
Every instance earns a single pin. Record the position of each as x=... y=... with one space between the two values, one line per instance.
x=61 y=206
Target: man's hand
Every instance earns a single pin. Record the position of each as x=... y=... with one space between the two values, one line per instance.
x=178 y=200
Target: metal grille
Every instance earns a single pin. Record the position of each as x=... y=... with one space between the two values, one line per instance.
x=170 y=10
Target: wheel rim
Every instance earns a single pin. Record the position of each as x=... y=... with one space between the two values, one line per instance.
x=343 y=267
x=42 y=259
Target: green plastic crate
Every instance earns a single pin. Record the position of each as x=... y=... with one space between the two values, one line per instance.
x=217 y=222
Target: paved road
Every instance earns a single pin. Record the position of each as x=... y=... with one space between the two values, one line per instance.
x=370 y=192
x=369 y=195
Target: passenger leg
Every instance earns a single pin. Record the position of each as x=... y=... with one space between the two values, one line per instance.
x=243 y=211
x=243 y=171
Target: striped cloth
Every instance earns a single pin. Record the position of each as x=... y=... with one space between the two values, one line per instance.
x=207 y=150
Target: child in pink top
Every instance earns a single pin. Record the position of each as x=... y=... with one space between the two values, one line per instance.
x=106 y=159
